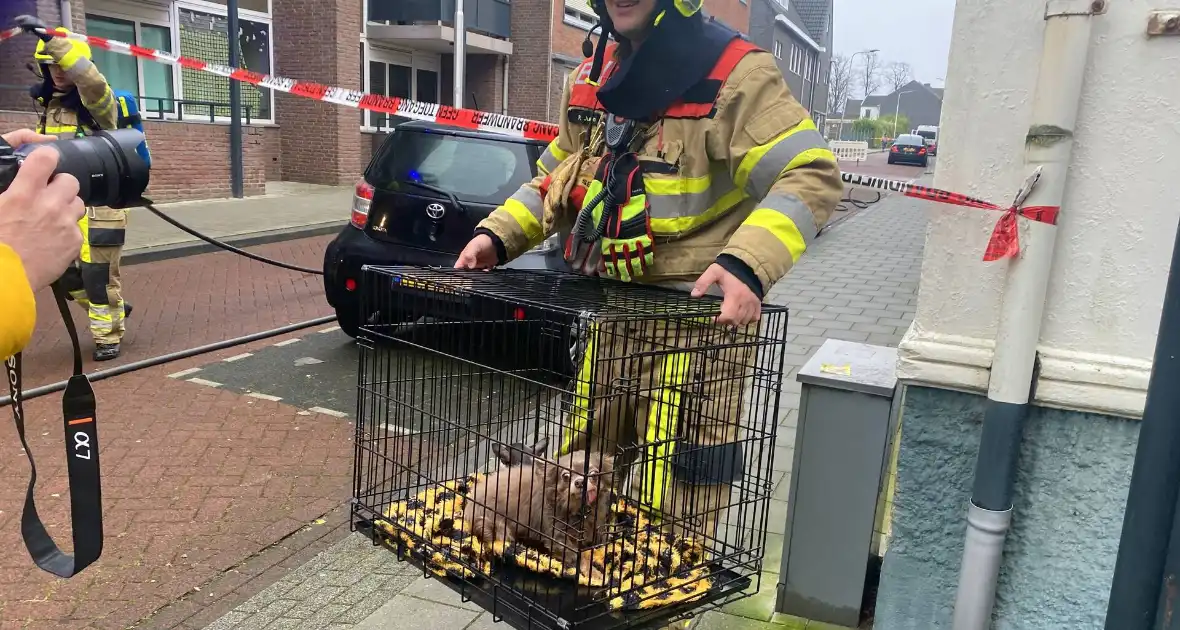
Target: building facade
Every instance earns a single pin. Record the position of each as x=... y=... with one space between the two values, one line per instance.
x=920 y=102
x=1094 y=352
x=518 y=55
x=799 y=33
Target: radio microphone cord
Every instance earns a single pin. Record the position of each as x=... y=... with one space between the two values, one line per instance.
x=80 y=419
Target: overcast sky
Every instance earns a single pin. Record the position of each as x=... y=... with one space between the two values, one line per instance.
x=914 y=31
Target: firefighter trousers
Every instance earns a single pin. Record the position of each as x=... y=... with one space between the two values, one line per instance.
x=666 y=397
x=94 y=281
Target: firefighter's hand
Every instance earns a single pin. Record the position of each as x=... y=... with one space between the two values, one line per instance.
x=739 y=306
x=30 y=24
x=480 y=253
x=25 y=136
x=39 y=218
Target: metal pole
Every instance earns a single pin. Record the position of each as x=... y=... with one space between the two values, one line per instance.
x=1141 y=580
x=1049 y=148
x=460 y=53
x=236 y=170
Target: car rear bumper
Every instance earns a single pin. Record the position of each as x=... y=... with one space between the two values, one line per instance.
x=908 y=159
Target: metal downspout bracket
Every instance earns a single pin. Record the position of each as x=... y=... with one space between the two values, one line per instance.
x=1064 y=8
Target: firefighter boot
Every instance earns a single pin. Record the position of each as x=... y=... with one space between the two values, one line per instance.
x=106 y=351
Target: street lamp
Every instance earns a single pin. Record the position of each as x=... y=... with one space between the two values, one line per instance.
x=844 y=105
x=897 y=112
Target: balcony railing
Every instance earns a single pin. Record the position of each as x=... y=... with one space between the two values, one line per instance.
x=489 y=17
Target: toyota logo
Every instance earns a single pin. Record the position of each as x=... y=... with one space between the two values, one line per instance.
x=435 y=211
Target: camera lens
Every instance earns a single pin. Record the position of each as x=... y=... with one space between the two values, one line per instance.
x=108 y=169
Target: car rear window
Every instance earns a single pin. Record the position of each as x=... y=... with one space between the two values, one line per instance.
x=473 y=169
x=909 y=139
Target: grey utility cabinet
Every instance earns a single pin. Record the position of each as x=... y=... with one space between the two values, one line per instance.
x=847 y=417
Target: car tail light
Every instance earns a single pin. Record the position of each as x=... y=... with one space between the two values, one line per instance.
x=922 y=151
x=362 y=198
x=895 y=149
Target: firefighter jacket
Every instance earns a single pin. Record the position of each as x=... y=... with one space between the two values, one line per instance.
x=741 y=177
x=16 y=302
x=60 y=111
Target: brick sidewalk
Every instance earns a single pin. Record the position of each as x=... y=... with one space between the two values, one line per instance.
x=195 y=479
x=187 y=302
x=858 y=282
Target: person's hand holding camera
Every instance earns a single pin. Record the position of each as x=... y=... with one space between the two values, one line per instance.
x=39 y=217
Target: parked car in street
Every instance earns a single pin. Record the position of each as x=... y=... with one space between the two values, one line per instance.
x=421 y=196
x=909 y=149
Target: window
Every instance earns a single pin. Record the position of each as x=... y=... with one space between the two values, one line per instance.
x=783 y=4
x=778 y=49
x=577 y=14
x=404 y=75
x=205 y=36
x=796 y=58
x=151 y=82
x=475 y=170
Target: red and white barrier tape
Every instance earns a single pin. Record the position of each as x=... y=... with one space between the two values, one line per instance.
x=1004 y=242
x=443 y=114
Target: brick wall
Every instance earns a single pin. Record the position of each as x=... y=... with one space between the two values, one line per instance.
x=191 y=160
x=317 y=40
x=734 y=13
x=529 y=71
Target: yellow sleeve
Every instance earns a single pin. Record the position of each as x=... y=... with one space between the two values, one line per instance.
x=93 y=88
x=16 y=303
x=519 y=223
x=777 y=156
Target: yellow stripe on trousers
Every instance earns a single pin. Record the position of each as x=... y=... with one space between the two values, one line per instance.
x=662 y=419
x=583 y=405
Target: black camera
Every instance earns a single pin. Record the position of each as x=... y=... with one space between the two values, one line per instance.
x=109 y=170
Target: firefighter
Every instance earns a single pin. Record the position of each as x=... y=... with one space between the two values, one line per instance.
x=73 y=97
x=682 y=160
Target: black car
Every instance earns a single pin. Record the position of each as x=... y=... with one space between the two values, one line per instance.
x=909 y=148
x=421 y=196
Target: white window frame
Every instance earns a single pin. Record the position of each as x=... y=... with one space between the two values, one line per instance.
x=778 y=49
x=584 y=21
x=217 y=9
x=415 y=60
x=139 y=19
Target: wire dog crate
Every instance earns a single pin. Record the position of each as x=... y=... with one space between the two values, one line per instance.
x=566 y=451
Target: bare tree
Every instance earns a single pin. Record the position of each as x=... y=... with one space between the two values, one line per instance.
x=870 y=74
x=898 y=74
x=840 y=83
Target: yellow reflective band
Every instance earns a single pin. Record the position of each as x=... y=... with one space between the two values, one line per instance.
x=123 y=107
x=524 y=217
x=682 y=225
x=557 y=151
x=658 y=19
x=70 y=59
x=754 y=155
x=85 y=253
x=807 y=157
x=782 y=227
x=580 y=414
x=661 y=427
x=674 y=185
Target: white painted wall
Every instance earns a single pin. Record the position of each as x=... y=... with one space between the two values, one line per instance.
x=1119 y=215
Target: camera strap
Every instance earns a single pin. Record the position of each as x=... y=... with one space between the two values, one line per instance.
x=81 y=441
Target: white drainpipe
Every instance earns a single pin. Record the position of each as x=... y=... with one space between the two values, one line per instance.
x=1048 y=146
x=67 y=14
x=504 y=97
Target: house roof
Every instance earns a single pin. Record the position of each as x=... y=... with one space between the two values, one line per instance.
x=814 y=14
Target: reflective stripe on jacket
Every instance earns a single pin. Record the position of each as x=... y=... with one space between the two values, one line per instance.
x=745 y=173
x=16 y=302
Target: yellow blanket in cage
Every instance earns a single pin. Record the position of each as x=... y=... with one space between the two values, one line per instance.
x=650 y=567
